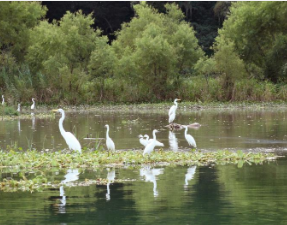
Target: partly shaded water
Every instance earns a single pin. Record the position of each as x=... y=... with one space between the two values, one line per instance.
x=216 y=194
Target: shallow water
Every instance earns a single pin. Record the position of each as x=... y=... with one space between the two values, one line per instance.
x=219 y=194
x=253 y=194
x=259 y=129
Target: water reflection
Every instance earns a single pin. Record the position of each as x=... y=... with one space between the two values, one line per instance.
x=33 y=121
x=150 y=176
x=172 y=141
x=72 y=175
x=110 y=177
x=19 y=126
x=189 y=175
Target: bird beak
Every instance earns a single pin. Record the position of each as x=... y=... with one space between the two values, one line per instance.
x=178 y=99
x=54 y=110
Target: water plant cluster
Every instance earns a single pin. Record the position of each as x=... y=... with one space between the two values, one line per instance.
x=38 y=162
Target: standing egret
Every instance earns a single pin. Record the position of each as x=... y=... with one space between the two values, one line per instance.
x=190 y=140
x=150 y=146
x=109 y=142
x=33 y=105
x=157 y=143
x=19 y=108
x=70 y=139
x=3 y=100
x=172 y=111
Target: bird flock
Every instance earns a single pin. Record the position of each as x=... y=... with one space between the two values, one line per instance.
x=149 y=144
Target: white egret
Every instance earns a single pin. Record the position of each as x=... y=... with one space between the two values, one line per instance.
x=33 y=105
x=173 y=143
x=150 y=146
x=70 y=139
x=190 y=174
x=19 y=108
x=110 y=177
x=150 y=176
x=190 y=140
x=109 y=142
x=157 y=143
x=3 y=100
x=143 y=141
x=172 y=111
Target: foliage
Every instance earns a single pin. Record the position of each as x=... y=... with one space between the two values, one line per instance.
x=16 y=18
x=255 y=29
x=152 y=54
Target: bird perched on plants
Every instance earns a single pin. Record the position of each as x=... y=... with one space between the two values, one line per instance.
x=150 y=146
x=109 y=142
x=70 y=139
x=190 y=140
x=172 y=111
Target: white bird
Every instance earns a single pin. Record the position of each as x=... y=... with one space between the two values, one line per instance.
x=3 y=100
x=150 y=176
x=143 y=141
x=157 y=143
x=109 y=142
x=19 y=108
x=33 y=105
x=172 y=111
x=110 y=177
x=173 y=143
x=150 y=146
x=190 y=140
x=190 y=174
x=70 y=139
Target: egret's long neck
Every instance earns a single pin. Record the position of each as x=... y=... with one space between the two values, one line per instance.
x=153 y=135
x=175 y=103
x=62 y=130
x=107 y=135
x=34 y=104
x=186 y=128
x=147 y=137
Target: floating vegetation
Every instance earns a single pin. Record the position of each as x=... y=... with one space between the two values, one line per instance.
x=35 y=159
x=28 y=116
x=38 y=162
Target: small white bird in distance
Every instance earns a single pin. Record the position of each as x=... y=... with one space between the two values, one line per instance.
x=172 y=111
x=190 y=140
x=33 y=105
x=157 y=143
x=109 y=142
x=150 y=146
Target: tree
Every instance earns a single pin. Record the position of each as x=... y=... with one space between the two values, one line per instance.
x=254 y=29
x=62 y=51
x=16 y=20
x=158 y=48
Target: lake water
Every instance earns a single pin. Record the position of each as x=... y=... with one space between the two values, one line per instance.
x=218 y=194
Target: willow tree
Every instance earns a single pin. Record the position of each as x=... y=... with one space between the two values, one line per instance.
x=16 y=19
x=154 y=49
x=61 y=51
x=257 y=31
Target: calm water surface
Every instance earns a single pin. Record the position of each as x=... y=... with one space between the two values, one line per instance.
x=220 y=194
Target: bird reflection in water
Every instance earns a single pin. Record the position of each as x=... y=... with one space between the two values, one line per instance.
x=33 y=121
x=173 y=143
x=110 y=177
x=150 y=176
x=72 y=175
x=189 y=175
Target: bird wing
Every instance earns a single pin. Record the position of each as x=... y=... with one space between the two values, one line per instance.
x=171 y=117
x=72 y=141
x=190 y=140
x=110 y=144
x=171 y=110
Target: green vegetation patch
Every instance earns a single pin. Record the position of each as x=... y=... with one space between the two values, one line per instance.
x=34 y=159
x=38 y=162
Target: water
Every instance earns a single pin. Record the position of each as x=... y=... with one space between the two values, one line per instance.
x=260 y=129
x=219 y=194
